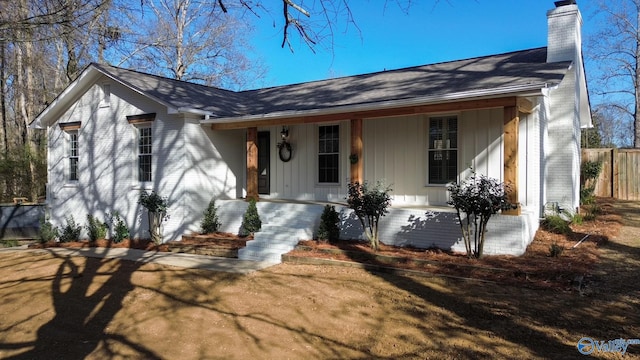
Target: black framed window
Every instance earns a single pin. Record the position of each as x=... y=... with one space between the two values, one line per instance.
x=73 y=155
x=329 y=154
x=144 y=154
x=443 y=149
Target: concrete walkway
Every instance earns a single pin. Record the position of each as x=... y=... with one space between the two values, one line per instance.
x=164 y=258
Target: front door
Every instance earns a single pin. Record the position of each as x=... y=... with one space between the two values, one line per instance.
x=263 y=162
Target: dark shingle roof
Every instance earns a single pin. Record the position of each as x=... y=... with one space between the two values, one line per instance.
x=521 y=68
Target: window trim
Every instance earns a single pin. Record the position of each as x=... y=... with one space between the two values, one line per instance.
x=318 y=154
x=139 y=174
x=448 y=148
x=105 y=101
x=70 y=155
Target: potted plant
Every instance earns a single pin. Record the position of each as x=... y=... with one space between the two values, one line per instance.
x=156 y=206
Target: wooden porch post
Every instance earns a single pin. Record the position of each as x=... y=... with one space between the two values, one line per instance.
x=252 y=163
x=511 y=125
x=356 y=151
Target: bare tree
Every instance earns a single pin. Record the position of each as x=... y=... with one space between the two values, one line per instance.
x=615 y=49
x=189 y=40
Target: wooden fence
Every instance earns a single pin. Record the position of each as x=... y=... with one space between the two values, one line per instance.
x=620 y=176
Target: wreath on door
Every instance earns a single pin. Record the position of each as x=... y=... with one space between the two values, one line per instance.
x=285 y=152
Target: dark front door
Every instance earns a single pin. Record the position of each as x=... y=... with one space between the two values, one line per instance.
x=263 y=162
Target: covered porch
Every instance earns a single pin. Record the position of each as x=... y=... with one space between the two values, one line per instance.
x=367 y=142
x=419 y=215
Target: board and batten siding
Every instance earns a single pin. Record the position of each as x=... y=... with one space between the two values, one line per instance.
x=297 y=179
x=107 y=166
x=395 y=150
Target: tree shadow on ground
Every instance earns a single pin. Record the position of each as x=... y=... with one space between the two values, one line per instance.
x=85 y=300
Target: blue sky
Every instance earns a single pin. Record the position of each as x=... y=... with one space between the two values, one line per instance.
x=432 y=31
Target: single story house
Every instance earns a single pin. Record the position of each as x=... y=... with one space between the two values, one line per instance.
x=515 y=116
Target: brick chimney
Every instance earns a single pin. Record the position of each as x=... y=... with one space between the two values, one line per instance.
x=564 y=40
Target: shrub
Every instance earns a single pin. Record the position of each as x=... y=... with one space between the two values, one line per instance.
x=555 y=250
x=577 y=218
x=556 y=224
x=210 y=222
x=95 y=228
x=47 y=231
x=156 y=206
x=328 y=229
x=251 y=222
x=119 y=230
x=479 y=197
x=9 y=243
x=369 y=204
x=589 y=172
x=71 y=231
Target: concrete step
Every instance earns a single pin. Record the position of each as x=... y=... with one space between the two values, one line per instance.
x=262 y=254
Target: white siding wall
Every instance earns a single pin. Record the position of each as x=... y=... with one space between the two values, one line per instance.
x=563 y=146
x=297 y=179
x=395 y=149
x=531 y=137
x=108 y=178
x=215 y=169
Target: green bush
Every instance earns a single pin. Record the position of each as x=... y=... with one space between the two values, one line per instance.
x=328 y=229
x=556 y=224
x=251 y=222
x=119 y=230
x=555 y=250
x=47 y=231
x=210 y=222
x=71 y=231
x=9 y=243
x=593 y=210
x=95 y=228
x=589 y=172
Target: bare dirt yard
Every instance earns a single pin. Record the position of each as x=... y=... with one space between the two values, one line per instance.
x=73 y=307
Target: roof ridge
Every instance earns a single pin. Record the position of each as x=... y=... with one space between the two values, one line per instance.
x=370 y=74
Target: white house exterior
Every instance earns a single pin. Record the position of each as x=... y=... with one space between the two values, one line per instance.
x=515 y=117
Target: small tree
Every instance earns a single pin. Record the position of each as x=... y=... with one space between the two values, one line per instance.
x=251 y=220
x=328 y=229
x=156 y=206
x=369 y=204
x=95 y=228
x=478 y=198
x=210 y=222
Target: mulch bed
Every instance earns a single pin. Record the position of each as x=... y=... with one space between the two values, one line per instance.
x=214 y=239
x=536 y=268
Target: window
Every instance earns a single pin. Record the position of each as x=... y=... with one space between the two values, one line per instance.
x=73 y=155
x=144 y=154
x=443 y=149
x=106 y=95
x=328 y=153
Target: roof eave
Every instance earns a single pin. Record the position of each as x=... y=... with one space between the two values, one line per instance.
x=528 y=89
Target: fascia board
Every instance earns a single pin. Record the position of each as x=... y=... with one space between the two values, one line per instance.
x=474 y=94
